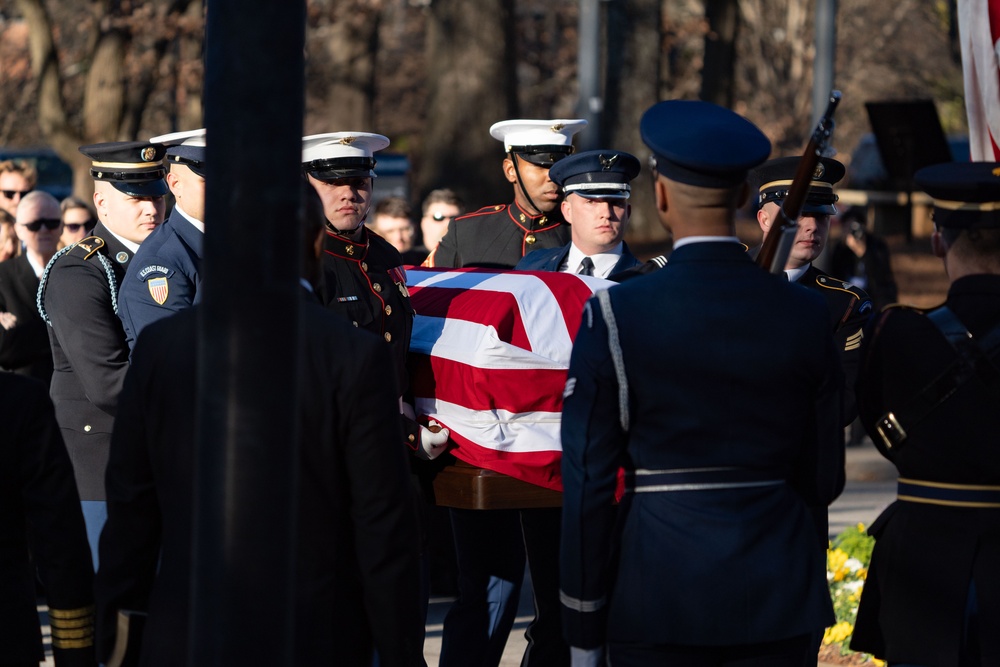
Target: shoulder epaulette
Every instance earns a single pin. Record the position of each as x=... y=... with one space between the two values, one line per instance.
x=88 y=246
x=863 y=303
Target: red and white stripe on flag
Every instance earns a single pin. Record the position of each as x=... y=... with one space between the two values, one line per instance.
x=979 y=30
x=488 y=359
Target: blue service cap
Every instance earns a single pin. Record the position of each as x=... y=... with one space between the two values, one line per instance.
x=600 y=173
x=133 y=167
x=966 y=194
x=702 y=144
x=774 y=177
x=187 y=148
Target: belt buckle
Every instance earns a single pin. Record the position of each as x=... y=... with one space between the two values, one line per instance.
x=890 y=430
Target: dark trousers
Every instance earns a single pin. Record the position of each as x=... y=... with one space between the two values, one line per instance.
x=490 y=547
x=783 y=653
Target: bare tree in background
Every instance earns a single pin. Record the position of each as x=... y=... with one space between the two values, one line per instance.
x=633 y=73
x=723 y=20
x=342 y=41
x=471 y=84
x=123 y=47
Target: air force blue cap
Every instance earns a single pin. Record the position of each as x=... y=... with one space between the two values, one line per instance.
x=966 y=194
x=187 y=148
x=702 y=144
x=774 y=178
x=133 y=167
x=596 y=174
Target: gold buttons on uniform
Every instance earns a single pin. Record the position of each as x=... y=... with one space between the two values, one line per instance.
x=411 y=438
x=377 y=287
x=87 y=428
x=388 y=310
x=388 y=337
x=529 y=239
x=523 y=218
x=364 y=266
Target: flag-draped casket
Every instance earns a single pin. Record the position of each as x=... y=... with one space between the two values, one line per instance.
x=488 y=359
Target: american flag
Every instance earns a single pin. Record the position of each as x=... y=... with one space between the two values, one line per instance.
x=488 y=359
x=979 y=29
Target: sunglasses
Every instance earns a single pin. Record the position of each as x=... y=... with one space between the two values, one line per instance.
x=10 y=194
x=440 y=217
x=50 y=223
x=74 y=227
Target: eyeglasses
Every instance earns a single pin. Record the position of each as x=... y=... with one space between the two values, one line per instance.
x=74 y=227
x=441 y=217
x=10 y=194
x=50 y=223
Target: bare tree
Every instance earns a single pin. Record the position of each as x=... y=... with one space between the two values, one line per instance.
x=471 y=84
x=723 y=19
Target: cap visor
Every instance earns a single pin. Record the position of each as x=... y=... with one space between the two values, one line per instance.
x=157 y=188
x=336 y=175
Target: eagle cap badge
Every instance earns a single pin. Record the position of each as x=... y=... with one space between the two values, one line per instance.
x=607 y=162
x=147 y=153
x=819 y=171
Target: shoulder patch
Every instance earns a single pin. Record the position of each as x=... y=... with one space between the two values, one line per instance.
x=152 y=270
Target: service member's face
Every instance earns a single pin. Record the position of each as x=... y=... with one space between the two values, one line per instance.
x=44 y=241
x=434 y=224
x=188 y=189
x=597 y=224
x=75 y=221
x=15 y=185
x=397 y=231
x=535 y=182
x=810 y=237
x=132 y=218
x=345 y=201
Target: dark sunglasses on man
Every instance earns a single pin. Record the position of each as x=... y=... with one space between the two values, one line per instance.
x=50 y=223
x=74 y=227
x=10 y=194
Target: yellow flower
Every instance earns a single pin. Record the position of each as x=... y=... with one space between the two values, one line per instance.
x=838 y=633
x=861 y=527
x=835 y=559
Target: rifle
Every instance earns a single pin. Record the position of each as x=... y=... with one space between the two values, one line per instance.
x=778 y=243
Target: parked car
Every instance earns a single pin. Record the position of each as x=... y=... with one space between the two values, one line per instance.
x=54 y=175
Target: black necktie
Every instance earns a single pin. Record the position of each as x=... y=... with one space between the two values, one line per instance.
x=586 y=267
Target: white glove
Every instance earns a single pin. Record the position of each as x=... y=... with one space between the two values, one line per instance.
x=432 y=443
x=586 y=657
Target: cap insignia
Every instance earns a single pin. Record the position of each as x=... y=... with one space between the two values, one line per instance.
x=347 y=141
x=147 y=153
x=820 y=170
x=607 y=162
x=558 y=127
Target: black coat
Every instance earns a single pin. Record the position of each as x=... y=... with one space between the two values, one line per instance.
x=40 y=511
x=356 y=558
x=497 y=237
x=926 y=554
x=729 y=367
x=89 y=352
x=871 y=272
x=25 y=348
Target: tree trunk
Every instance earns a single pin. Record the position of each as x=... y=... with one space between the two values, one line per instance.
x=723 y=18
x=632 y=87
x=471 y=84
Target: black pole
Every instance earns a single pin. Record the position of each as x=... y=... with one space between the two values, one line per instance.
x=826 y=57
x=242 y=568
x=590 y=104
